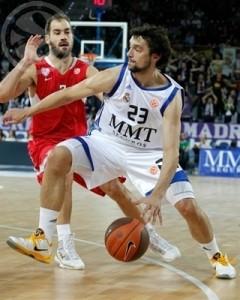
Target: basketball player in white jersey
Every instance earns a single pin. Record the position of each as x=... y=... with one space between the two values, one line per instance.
x=140 y=123
x=43 y=77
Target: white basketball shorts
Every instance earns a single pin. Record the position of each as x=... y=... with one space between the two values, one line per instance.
x=99 y=158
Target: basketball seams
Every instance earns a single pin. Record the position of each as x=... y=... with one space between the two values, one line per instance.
x=130 y=233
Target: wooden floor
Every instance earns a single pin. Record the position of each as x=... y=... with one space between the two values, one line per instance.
x=189 y=278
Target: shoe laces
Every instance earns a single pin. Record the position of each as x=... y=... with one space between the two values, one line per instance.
x=69 y=247
x=220 y=258
x=38 y=234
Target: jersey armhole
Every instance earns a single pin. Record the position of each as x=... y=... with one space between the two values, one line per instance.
x=36 y=75
x=169 y=100
x=120 y=77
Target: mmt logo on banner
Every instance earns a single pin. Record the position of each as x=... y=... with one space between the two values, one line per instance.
x=216 y=162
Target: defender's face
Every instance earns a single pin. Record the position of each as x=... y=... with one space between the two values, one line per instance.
x=139 y=57
x=60 y=38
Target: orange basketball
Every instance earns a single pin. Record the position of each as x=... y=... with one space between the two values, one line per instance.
x=126 y=239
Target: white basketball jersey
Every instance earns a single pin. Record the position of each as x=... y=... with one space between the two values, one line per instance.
x=133 y=114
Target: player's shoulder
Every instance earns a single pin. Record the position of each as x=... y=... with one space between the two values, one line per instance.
x=114 y=71
x=41 y=63
x=79 y=62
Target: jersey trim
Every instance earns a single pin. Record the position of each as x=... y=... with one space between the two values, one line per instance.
x=179 y=176
x=120 y=77
x=97 y=120
x=183 y=98
x=48 y=61
x=86 y=149
x=164 y=87
x=169 y=100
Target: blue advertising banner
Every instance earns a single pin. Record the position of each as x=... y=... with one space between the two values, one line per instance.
x=217 y=162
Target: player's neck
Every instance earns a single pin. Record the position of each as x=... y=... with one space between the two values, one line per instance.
x=150 y=78
x=61 y=64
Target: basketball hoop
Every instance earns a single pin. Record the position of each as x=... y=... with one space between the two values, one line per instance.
x=88 y=58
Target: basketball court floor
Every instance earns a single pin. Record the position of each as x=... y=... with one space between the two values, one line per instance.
x=149 y=278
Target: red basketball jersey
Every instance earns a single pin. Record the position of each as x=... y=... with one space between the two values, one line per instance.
x=66 y=121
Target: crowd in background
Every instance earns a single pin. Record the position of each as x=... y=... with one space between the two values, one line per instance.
x=189 y=22
x=211 y=82
x=205 y=60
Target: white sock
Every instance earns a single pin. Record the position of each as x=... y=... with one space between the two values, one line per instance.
x=63 y=230
x=210 y=248
x=47 y=222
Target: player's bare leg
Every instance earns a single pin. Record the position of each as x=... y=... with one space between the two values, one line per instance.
x=124 y=198
x=201 y=230
x=39 y=244
x=58 y=166
x=64 y=216
x=66 y=255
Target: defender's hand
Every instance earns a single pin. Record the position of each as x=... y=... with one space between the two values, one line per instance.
x=15 y=115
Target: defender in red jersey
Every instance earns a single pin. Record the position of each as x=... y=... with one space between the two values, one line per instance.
x=57 y=71
x=58 y=124
x=65 y=121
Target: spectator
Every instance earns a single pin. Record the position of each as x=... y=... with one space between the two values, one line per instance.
x=184 y=148
x=11 y=135
x=209 y=102
x=218 y=83
x=233 y=144
x=238 y=107
x=2 y=135
x=229 y=106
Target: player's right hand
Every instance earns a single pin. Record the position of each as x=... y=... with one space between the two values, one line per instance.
x=152 y=208
x=30 y=52
x=14 y=116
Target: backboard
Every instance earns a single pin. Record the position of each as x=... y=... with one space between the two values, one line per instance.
x=108 y=40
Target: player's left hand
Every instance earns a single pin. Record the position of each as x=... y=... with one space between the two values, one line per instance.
x=152 y=209
x=30 y=52
x=14 y=116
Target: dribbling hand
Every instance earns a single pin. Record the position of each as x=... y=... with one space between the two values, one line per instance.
x=152 y=209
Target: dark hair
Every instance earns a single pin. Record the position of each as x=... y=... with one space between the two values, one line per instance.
x=157 y=39
x=57 y=17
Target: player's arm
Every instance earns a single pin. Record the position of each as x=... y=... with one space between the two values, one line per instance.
x=91 y=71
x=99 y=83
x=17 y=81
x=171 y=133
x=22 y=76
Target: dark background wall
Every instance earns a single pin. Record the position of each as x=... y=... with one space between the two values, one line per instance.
x=14 y=153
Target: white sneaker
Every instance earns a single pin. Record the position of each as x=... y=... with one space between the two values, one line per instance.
x=35 y=246
x=66 y=256
x=224 y=270
x=158 y=244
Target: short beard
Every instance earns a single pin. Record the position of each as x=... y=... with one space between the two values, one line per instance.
x=58 y=53
x=136 y=69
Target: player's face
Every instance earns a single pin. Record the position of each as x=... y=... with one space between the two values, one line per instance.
x=60 y=38
x=139 y=57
